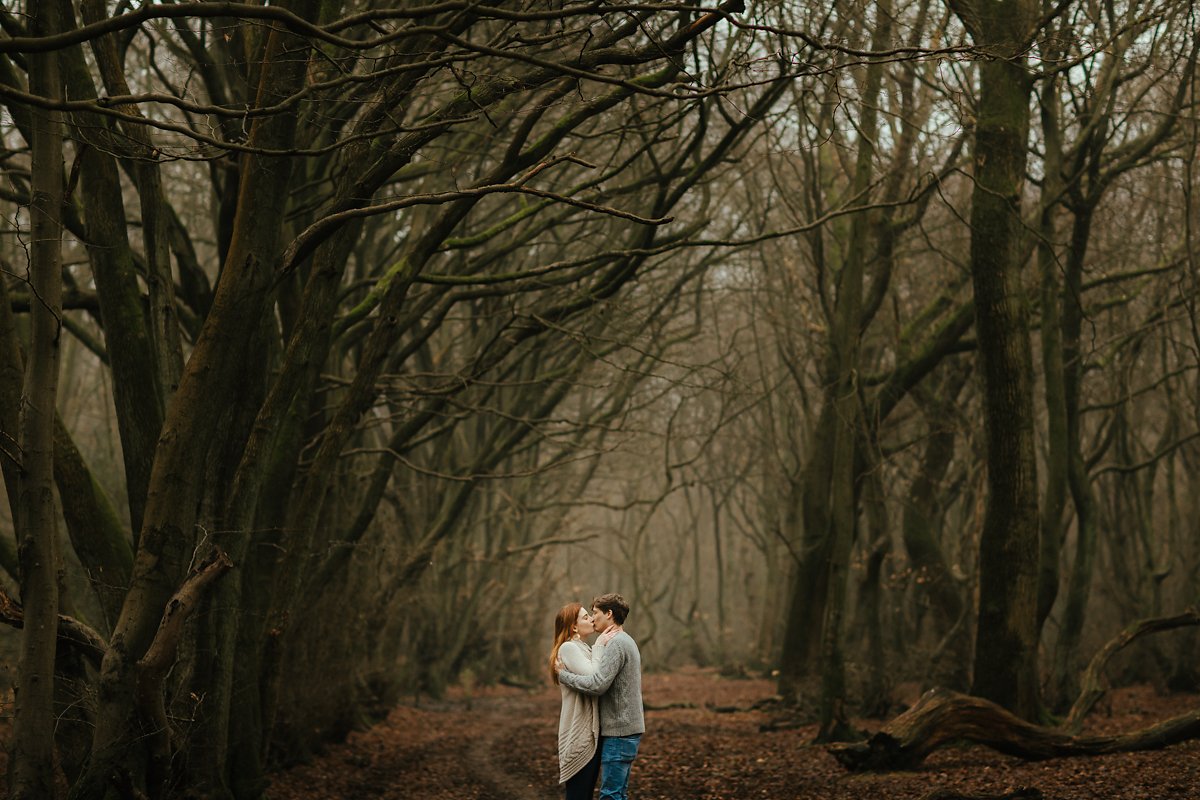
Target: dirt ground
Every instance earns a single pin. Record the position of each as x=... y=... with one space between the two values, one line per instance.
x=500 y=744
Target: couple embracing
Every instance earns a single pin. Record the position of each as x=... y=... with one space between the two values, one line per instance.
x=601 y=723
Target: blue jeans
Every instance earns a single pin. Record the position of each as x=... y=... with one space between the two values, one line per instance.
x=616 y=757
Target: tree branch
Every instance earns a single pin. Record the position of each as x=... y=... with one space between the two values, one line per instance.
x=153 y=666
x=73 y=632
x=1093 y=684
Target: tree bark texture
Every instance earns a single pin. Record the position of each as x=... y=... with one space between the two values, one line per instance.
x=923 y=540
x=32 y=762
x=160 y=656
x=1005 y=668
x=12 y=379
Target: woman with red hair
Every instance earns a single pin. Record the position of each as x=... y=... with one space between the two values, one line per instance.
x=579 y=721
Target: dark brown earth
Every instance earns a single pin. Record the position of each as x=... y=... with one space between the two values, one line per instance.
x=499 y=744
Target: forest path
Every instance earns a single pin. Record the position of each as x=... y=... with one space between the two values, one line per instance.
x=493 y=743
x=500 y=743
x=500 y=756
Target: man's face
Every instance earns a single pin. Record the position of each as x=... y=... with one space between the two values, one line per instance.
x=601 y=619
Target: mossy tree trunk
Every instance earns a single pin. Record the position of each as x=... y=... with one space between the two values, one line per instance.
x=1005 y=668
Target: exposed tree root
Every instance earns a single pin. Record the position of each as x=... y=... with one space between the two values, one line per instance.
x=667 y=706
x=764 y=704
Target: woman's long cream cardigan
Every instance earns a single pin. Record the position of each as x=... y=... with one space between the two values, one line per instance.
x=579 y=722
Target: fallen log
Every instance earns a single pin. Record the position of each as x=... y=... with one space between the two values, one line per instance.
x=942 y=716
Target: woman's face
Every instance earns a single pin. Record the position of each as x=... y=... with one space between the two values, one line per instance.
x=583 y=623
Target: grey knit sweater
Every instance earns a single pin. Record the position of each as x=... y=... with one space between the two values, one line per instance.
x=618 y=682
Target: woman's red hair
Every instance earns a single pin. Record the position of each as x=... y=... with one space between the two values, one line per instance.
x=564 y=629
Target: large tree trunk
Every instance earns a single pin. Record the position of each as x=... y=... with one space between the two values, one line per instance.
x=37 y=535
x=192 y=423
x=1007 y=636
x=232 y=735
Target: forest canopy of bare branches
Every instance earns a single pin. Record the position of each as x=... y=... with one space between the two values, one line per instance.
x=341 y=343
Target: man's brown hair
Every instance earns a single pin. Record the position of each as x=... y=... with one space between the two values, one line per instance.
x=615 y=603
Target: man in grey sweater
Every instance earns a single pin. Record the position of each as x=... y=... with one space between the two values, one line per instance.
x=617 y=680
